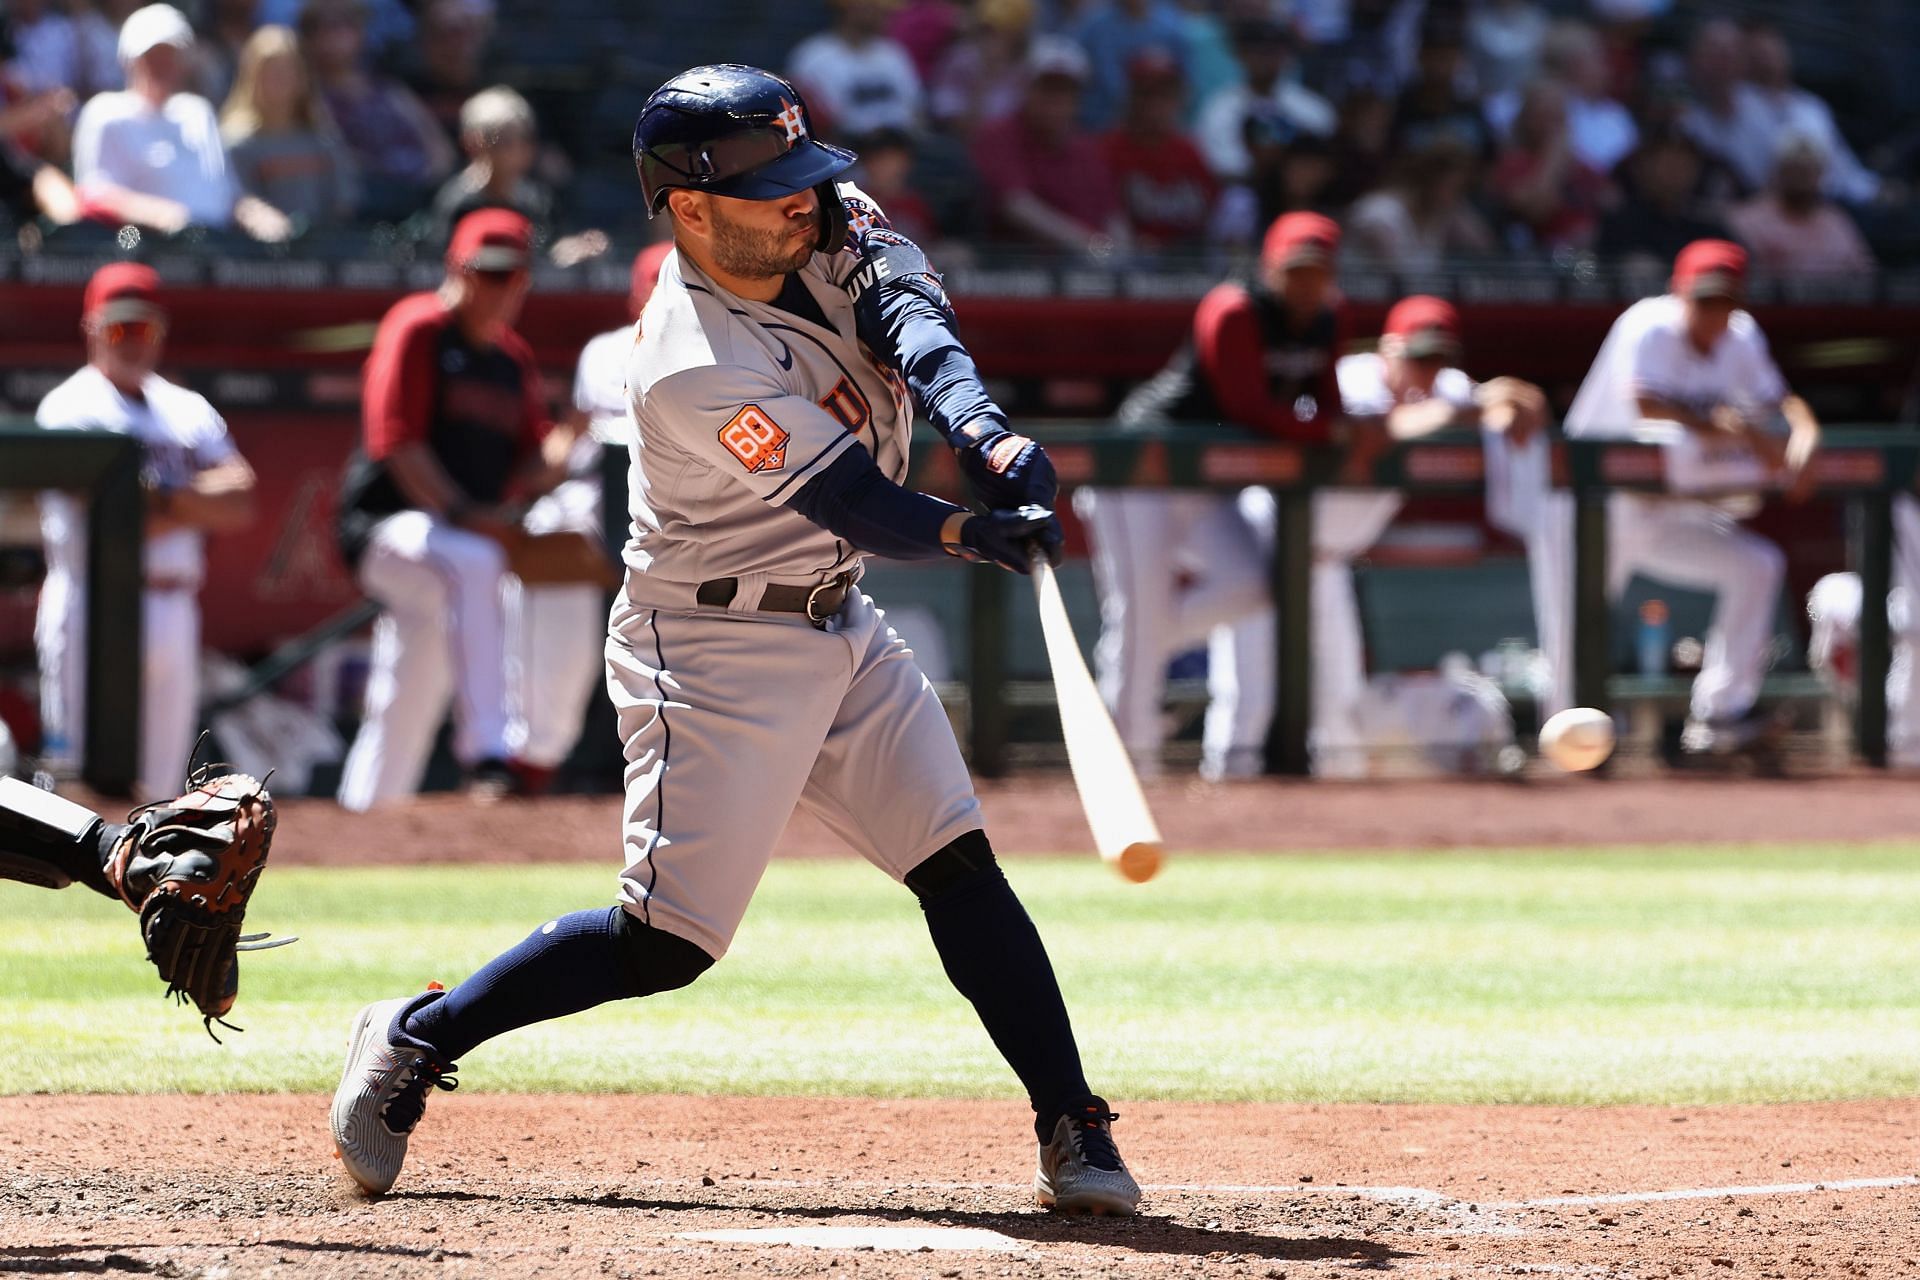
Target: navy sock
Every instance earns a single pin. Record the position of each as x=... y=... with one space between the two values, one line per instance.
x=564 y=966
x=994 y=957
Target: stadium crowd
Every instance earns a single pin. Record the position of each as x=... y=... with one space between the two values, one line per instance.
x=1115 y=131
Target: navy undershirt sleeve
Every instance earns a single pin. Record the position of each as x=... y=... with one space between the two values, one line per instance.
x=907 y=323
x=853 y=499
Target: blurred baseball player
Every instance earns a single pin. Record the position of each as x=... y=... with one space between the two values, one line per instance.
x=1176 y=569
x=1691 y=371
x=453 y=417
x=1409 y=388
x=1834 y=607
x=772 y=388
x=196 y=483
x=559 y=629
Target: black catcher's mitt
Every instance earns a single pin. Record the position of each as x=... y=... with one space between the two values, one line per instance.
x=188 y=866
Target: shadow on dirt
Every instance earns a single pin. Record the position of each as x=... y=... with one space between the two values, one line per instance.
x=1145 y=1234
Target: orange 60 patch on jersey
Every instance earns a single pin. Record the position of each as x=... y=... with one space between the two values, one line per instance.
x=755 y=439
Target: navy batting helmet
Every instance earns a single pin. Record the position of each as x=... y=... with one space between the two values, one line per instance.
x=735 y=131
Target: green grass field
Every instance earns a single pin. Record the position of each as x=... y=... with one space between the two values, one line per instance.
x=1662 y=975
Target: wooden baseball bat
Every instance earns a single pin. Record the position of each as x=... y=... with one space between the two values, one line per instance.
x=1123 y=830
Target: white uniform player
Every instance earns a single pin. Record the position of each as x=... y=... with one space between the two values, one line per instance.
x=196 y=481
x=1690 y=371
x=772 y=389
x=1834 y=607
x=559 y=630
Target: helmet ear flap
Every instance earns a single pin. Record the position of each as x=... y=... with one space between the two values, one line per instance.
x=833 y=217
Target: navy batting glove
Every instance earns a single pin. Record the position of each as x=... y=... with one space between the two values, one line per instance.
x=1009 y=538
x=1006 y=469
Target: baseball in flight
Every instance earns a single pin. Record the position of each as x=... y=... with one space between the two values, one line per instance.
x=1577 y=739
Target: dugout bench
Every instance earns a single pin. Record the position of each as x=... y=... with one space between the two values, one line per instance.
x=1864 y=466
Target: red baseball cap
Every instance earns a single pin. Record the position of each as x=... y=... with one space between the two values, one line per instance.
x=491 y=240
x=1425 y=325
x=123 y=291
x=646 y=272
x=1300 y=240
x=1710 y=269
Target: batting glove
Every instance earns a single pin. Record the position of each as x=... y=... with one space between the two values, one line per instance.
x=1010 y=538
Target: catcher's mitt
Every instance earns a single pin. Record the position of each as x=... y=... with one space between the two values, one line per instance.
x=188 y=866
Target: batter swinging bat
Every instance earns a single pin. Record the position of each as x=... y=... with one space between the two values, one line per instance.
x=1123 y=830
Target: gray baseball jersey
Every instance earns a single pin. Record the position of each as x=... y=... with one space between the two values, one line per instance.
x=738 y=403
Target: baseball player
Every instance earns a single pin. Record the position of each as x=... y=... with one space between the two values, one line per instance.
x=196 y=483
x=1691 y=371
x=559 y=629
x=453 y=420
x=772 y=387
x=1409 y=388
x=1834 y=607
x=1177 y=569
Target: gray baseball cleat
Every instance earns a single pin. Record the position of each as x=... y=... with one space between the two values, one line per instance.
x=1081 y=1170
x=383 y=1092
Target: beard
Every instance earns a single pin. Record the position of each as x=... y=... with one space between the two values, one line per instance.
x=756 y=254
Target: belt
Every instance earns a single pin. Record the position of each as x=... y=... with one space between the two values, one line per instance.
x=818 y=602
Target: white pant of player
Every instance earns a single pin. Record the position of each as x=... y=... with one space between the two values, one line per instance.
x=558 y=660
x=169 y=681
x=441 y=635
x=1175 y=568
x=730 y=719
x=1676 y=540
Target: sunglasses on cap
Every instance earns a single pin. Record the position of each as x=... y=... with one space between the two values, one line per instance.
x=122 y=332
x=497 y=277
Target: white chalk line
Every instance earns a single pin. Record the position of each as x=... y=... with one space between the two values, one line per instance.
x=1421 y=1196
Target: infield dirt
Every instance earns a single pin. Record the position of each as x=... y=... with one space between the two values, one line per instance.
x=508 y=1186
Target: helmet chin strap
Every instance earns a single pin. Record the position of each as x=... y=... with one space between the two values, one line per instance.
x=833 y=217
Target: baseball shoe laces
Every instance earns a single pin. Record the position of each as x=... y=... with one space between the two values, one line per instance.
x=1093 y=1137
x=409 y=1101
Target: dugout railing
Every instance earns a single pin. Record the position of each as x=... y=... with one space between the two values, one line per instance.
x=106 y=468
x=1862 y=466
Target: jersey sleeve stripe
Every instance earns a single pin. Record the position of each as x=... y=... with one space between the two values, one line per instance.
x=835 y=445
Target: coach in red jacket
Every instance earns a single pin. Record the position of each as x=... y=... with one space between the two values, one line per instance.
x=453 y=416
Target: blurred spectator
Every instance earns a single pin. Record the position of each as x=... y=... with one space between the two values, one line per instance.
x=855 y=78
x=500 y=136
x=1727 y=121
x=46 y=51
x=1113 y=33
x=1792 y=228
x=502 y=140
x=1422 y=216
x=225 y=27
x=1788 y=109
x=30 y=188
x=151 y=154
x=1045 y=178
x=984 y=75
x=1659 y=214
x=886 y=166
x=447 y=62
x=1166 y=191
x=1441 y=101
x=1270 y=102
x=1209 y=60
x=96 y=24
x=1503 y=40
x=1374 y=49
x=1553 y=196
x=387 y=24
x=398 y=149
x=1601 y=131
x=281 y=144
x=1291 y=178
x=926 y=29
x=1363 y=141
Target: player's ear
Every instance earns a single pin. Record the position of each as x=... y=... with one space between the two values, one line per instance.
x=689 y=210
